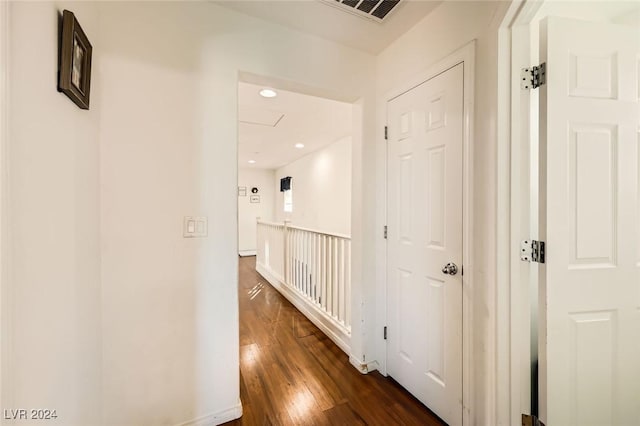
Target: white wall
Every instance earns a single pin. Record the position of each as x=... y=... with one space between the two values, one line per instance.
x=248 y=212
x=51 y=339
x=449 y=27
x=98 y=197
x=169 y=149
x=321 y=184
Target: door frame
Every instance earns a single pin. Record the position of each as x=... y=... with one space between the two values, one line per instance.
x=515 y=51
x=6 y=336
x=466 y=56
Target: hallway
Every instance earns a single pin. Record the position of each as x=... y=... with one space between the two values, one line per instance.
x=291 y=373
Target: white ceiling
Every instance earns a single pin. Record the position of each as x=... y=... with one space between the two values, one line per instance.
x=324 y=20
x=269 y=128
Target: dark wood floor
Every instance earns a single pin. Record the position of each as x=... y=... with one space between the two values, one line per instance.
x=292 y=374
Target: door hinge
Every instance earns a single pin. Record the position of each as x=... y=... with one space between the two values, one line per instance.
x=534 y=77
x=531 y=420
x=385 y=232
x=385 y=332
x=532 y=251
x=386 y=133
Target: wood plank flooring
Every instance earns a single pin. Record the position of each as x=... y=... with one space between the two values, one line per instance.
x=292 y=374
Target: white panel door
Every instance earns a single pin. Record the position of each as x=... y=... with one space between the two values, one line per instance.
x=589 y=190
x=424 y=348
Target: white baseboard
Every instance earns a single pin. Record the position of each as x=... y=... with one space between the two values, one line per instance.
x=218 y=418
x=327 y=325
x=244 y=253
x=364 y=368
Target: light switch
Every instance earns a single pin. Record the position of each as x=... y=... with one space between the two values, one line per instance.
x=194 y=227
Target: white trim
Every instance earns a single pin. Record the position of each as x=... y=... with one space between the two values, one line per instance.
x=501 y=261
x=513 y=197
x=328 y=326
x=503 y=293
x=465 y=55
x=244 y=253
x=6 y=332
x=218 y=418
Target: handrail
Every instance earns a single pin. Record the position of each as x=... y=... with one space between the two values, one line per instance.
x=300 y=228
x=266 y=222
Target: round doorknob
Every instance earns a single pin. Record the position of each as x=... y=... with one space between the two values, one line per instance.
x=450 y=269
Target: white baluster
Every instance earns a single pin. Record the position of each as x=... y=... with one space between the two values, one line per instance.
x=347 y=287
x=324 y=272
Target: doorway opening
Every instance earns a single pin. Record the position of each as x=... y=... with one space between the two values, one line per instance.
x=574 y=161
x=294 y=198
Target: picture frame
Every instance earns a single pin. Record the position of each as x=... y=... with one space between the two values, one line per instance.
x=254 y=199
x=74 y=75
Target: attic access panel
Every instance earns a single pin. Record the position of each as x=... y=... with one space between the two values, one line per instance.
x=376 y=10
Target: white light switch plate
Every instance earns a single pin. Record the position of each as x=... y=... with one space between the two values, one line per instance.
x=194 y=227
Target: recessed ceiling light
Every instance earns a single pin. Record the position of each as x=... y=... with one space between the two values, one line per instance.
x=299 y=145
x=252 y=161
x=268 y=93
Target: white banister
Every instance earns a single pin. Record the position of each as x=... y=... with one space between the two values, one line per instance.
x=313 y=270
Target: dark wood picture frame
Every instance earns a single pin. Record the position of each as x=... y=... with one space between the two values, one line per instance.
x=74 y=76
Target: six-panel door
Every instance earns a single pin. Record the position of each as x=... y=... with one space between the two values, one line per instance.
x=425 y=233
x=589 y=191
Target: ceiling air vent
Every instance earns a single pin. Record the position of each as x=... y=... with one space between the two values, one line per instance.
x=376 y=10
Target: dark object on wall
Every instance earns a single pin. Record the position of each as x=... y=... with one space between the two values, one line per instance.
x=285 y=184
x=74 y=73
x=254 y=190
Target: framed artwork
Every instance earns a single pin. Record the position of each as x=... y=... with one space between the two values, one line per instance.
x=255 y=199
x=242 y=191
x=74 y=76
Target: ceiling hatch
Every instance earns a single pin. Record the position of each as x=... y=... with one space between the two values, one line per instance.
x=376 y=10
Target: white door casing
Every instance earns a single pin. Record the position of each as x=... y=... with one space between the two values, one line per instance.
x=589 y=217
x=425 y=219
x=6 y=335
